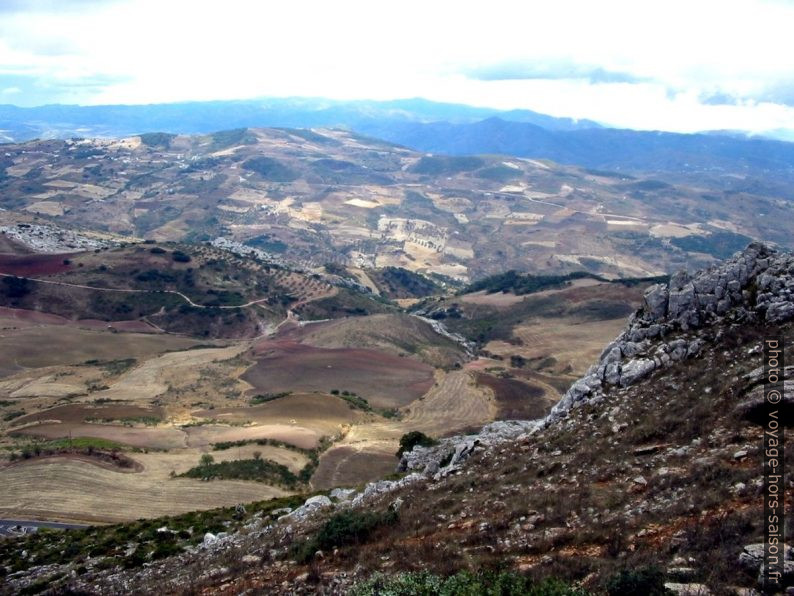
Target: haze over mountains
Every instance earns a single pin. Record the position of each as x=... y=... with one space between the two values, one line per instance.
x=426 y=126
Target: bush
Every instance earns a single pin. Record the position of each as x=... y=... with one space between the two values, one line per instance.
x=411 y=439
x=266 y=397
x=342 y=529
x=645 y=581
x=180 y=257
x=15 y=287
x=464 y=583
x=256 y=469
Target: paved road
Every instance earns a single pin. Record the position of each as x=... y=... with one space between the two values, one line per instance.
x=15 y=527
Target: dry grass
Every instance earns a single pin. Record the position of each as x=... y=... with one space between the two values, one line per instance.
x=80 y=491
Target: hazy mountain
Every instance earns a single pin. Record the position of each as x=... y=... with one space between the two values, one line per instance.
x=428 y=126
x=605 y=148
x=63 y=121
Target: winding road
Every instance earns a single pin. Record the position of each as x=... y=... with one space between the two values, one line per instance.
x=132 y=291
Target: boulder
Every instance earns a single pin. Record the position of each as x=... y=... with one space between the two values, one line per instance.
x=634 y=370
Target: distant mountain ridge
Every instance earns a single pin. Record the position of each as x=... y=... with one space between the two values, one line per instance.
x=604 y=148
x=428 y=126
x=64 y=121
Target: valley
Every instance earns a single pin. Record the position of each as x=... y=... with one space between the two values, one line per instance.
x=193 y=324
x=156 y=354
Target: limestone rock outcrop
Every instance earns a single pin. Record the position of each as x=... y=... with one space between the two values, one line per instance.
x=755 y=286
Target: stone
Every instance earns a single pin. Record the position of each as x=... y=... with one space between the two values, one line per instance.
x=688 y=589
x=318 y=501
x=634 y=370
x=681 y=573
x=209 y=538
x=655 y=302
x=779 y=312
x=342 y=494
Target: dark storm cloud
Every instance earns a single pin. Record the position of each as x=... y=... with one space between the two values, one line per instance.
x=516 y=71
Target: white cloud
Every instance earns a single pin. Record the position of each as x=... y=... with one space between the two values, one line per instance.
x=11 y=91
x=653 y=61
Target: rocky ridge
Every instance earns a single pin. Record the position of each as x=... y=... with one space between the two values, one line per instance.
x=646 y=478
x=755 y=285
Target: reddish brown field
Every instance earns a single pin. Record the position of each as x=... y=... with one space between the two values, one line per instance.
x=516 y=400
x=31 y=265
x=383 y=379
x=323 y=411
x=43 y=318
x=346 y=466
x=75 y=413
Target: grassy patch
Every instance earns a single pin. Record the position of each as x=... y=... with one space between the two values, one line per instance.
x=257 y=470
x=113 y=367
x=128 y=421
x=8 y=416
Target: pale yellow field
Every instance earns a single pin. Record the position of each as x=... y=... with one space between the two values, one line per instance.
x=59 y=489
x=573 y=344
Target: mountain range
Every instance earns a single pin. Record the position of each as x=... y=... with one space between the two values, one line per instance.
x=430 y=127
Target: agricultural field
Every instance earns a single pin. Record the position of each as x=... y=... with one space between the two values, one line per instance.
x=412 y=222
x=285 y=345
x=318 y=404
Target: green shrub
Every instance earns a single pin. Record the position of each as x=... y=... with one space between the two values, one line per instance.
x=257 y=469
x=266 y=397
x=411 y=439
x=180 y=257
x=645 y=581
x=270 y=169
x=344 y=528
x=464 y=583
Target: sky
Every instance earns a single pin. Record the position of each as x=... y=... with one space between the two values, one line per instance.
x=644 y=64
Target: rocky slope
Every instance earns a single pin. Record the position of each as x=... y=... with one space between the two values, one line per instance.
x=650 y=465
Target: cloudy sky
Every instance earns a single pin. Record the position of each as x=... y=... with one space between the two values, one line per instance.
x=651 y=64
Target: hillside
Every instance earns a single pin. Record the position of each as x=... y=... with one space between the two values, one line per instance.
x=627 y=151
x=197 y=290
x=314 y=198
x=424 y=126
x=647 y=473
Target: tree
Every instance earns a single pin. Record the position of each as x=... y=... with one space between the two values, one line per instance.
x=206 y=460
x=410 y=440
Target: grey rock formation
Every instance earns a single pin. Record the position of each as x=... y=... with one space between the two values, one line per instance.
x=757 y=284
x=449 y=455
